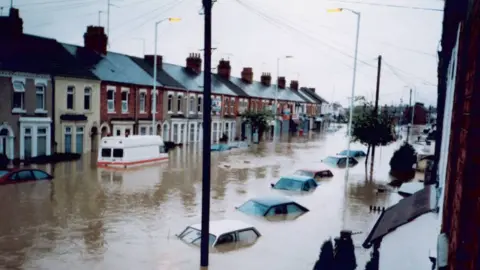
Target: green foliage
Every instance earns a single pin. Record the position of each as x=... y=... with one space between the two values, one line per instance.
x=258 y=120
x=326 y=259
x=345 y=253
x=403 y=158
x=374 y=262
x=371 y=129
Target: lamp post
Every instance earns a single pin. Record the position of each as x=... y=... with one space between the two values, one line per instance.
x=154 y=90
x=352 y=98
x=275 y=109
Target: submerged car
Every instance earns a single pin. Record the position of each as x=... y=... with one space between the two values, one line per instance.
x=221 y=232
x=353 y=153
x=340 y=161
x=317 y=174
x=295 y=183
x=272 y=206
x=17 y=176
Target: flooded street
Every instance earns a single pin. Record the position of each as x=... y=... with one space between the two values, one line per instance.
x=89 y=218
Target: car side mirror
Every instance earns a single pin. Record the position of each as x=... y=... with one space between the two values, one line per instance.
x=272 y=185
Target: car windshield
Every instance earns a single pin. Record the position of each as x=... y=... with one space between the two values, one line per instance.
x=289 y=184
x=192 y=236
x=304 y=173
x=345 y=153
x=3 y=172
x=331 y=160
x=253 y=208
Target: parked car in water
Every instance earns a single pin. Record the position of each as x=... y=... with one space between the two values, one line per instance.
x=295 y=183
x=317 y=173
x=272 y=206
x=16 y=176
x=353 y=153
x=221 y=232
x=339 y=161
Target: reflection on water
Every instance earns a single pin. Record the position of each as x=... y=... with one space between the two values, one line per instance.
x=90 y=218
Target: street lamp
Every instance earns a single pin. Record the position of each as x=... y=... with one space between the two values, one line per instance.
x=154 y=90
x=352 y=98
x=276 y=95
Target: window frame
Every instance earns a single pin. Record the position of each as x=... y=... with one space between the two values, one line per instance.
x=21 y=92
x=192 y=104
x=179 y=103
x=232 y=105
x=111 y=101
x=70 y=93
x=87 y=93
x=142 y=99
x=40 y=88
x=170 y=103
x=199 y=104
x=127 y=94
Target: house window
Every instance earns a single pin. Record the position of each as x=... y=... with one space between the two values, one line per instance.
x=70 y=97
x=28 y=142
x=179 y=104
x=87 y=98
x=192 y=132
x=225 y=106
x=186 y=104
x=40 y=96
x=232 y=106
x=192 y=104
x=143 y=131
x=18 y=95
x=199 y=125
x=68 y=139
x=124 y=101
x=142 y=102
x=170 y=103
x=79 y=140
x=41 y=141
x=111 y=100
x=199 y=104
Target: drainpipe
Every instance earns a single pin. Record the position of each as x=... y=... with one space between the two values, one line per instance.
x=52 y=124
x=135 y=114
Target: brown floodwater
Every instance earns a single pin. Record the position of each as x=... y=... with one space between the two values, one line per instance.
x=89 y=218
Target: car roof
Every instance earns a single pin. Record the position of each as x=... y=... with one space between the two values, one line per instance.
x=272 y=200
x=219 y=227
x=297 y=177
x=319 y=169
x=338 y=156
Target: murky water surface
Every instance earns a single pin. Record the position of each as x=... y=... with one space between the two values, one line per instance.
x=89 y=218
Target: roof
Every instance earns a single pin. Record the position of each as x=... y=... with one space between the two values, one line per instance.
x=231 y=85
x=297 y=177
x=258 y=90
x=194 y=82
x=304 y=96
x=271 y=200
x=112 y=67
x=317 y=169
x=401 y=213
x=312 y=94
x=39 y=55
x=219 y=227
x=162 y=76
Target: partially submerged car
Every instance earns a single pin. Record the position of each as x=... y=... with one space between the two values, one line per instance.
x=295 y=183
x=221 y=232
x=16 y=176
x=353 y=153
x=340 y=161
x=272 y=206
x=317 y=173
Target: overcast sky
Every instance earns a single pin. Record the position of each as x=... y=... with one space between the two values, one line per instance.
x=254 y=33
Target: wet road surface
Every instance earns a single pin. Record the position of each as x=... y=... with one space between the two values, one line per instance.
x=89 y=218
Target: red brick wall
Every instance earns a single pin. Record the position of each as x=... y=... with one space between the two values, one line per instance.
x=461 y=220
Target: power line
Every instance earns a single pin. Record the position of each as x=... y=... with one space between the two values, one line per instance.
x=387 y=5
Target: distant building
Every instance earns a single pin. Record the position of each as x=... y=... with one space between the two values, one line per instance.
x=420 y=115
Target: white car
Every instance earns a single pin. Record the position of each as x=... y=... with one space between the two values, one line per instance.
x=221 y=232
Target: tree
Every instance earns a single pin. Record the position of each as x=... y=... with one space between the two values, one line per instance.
x=345 y=252
x=374 y=262
x=372 y=129
x=325 y=259
x=403 y=158
x=259 y=121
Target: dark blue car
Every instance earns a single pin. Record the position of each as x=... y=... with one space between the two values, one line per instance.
x=295 y=183
x=272 y=206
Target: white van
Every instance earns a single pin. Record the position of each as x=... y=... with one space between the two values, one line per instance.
x=126 y=152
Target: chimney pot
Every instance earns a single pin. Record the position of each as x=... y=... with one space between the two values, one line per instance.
x=194 y=62
x=150 y=59
x=95 y=39
x=281 y=81
x=247 y=75
x=294 y=85
x=266 y=79
x=224 y=68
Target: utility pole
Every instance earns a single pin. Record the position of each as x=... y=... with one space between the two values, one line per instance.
x=207 y=126
x=375 y=109
x=411 y=112
x=108 y=21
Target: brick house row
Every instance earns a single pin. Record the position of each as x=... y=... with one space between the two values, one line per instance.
x=89 y=92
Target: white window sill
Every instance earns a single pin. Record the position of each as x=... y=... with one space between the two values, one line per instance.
x=41 y=111
x=143 y=112
x=170 y=112
x=179 y=112
x=200 y=113
x=191 y=112
x=111 y=112
x=18 y=110
x=124 y=112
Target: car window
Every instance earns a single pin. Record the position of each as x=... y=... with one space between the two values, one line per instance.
x=306 y=186
x=226 y=239
x=304 y=173
x=3 y=172
x=277 y=210
x=312 y=183
x=253 y=208
x=293 y=209
x=324 y=174
x=247 y=236
x=106 y=152
x=352 y=161
x=331 y=160
x=211 y=240
x=39 y=175
x=24 y=175
x=118 y=153
x=288 y=184
x=191 y=235
x=342 y=162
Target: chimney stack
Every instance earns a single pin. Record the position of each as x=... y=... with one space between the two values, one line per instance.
x=194 y=62
x=223 y=69
x=150 y=59
x=266 y=79
x=11 y=26
x=311 y=89
x=282 y=82
x=247 y=75
x=294 y=85
x=95 y=39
